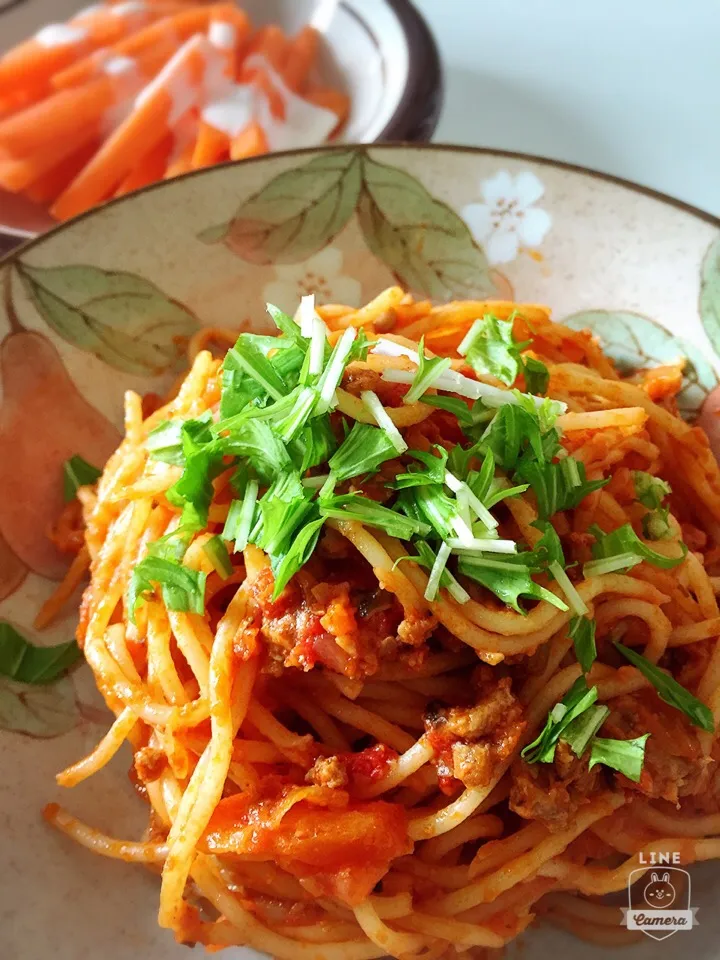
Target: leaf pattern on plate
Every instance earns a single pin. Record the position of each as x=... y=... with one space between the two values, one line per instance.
x=425 y=243
x=427 y=246
x=635 y=341
x=296 y=214
x=41 y=711
x=123 y=319
x=710 y=294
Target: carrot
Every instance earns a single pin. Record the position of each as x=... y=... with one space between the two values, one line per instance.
x=212 y=146
x=156 y=110
x=25 y=71
x=331 y=99
x=149 y=169
x=50 y=185
x=65 y=116
x=172 y=31
x=250 y=142
x=269 y=42
x=300 y=59
x=185 y=136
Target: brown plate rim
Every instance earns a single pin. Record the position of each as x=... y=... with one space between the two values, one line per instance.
x=658 y=195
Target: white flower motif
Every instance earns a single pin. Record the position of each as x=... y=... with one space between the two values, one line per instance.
x=319 y=275
x=507 y=219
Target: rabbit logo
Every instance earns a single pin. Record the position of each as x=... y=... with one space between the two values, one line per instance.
x=659 y=902
x=659 y=893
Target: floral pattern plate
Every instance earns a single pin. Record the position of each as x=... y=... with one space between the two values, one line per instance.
x=107 y=302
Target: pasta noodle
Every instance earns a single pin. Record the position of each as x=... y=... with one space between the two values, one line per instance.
x=346 y=686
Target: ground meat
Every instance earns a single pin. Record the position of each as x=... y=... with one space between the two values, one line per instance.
x=415 y=630
x=472 y=763
x=319 y=622
x=328 y=772
x=477 y=721
x=674 y=765
x=552 y=792
x=149 y=764
x=470 y=742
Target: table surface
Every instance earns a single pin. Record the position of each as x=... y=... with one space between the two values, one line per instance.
x=629 y=87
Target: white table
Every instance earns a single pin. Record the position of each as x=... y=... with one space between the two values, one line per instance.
x=629 y=87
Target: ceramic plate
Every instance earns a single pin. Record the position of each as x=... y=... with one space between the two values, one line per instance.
x=380 y=51
x=107 y=302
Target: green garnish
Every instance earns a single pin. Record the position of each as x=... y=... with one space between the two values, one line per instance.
x=454 y=405
x=164 y=443
x=241 y=517
x=25 y=662
x=511 y=432
x=554 y=484
x=298 y=552
x=582 y=631
x=624 y=543
x=433 y=472
x=626 y=756
x=283 y=508
x=428 y=371
x=489 y=347
x=354 y=506
x=183 y=589
x=670 y=690
x=583 y=728
x=509 y=579
x=203 y=459
x=431 y=506
x=78 y=473
x=247 y=357
x=650 y=491
x=576 y=721
x=256 y=442
x=575 y=702
x=425 y=557
x=537 y=376
x=363 y=450
x=218 y=556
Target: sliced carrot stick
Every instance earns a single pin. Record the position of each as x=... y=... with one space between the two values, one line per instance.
x=185 y=136
x=182 y=162
x=174 y=30
x=331 y=99
x=51 y=184
x=250 y=142
x=149 y=169
x=271 y=43
x=301 y=58
x=156 y=111
x=25 y=71
x=212 y=146
x=65 y=115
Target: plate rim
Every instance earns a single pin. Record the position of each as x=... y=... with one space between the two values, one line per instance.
x=704 y=215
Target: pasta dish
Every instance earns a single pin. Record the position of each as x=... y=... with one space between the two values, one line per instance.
x=409 y=615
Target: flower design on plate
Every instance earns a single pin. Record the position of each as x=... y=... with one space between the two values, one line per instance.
x=320 y=274
x=507 y=218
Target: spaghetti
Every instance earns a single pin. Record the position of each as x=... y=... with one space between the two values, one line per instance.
x=409 y=616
